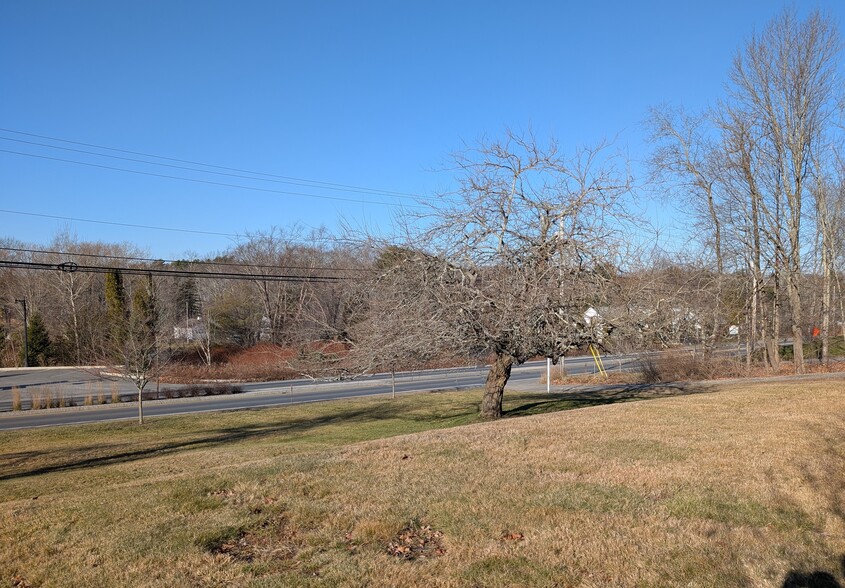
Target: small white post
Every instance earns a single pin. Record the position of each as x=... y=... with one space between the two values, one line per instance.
x=393 y=382
x=548 y=375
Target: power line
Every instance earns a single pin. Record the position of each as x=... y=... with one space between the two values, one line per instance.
x=70 y=267
x=183 y=261
x=117 y=224
x=231 y=169
x=207 y=182
x=218 y=173
x=135 y=226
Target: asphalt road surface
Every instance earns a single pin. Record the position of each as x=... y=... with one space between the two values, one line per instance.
x=78 y=383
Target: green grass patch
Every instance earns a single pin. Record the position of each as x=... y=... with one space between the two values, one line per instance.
x=506 y=571
x=813 y=349
x=737 y=512
x=634 y=449
x=595 y=498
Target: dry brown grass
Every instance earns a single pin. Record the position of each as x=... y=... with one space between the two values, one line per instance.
x=740 y=485
x=614 y=377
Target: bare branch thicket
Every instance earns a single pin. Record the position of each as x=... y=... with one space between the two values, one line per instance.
x=665 y=299
x=507 y=264
x=759 y=169
x=784 y=85
x=71 y=303
x=138 y=349
x=686 y=163
x=298 y=312
x=260 y=252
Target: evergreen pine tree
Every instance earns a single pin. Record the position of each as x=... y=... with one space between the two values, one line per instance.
x=144 y=317
x=141 y=356
x=39 y=348
x=116 y=311
x=187 y=297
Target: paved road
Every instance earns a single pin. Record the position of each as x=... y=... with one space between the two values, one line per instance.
x=263 y=394
x=72 y=383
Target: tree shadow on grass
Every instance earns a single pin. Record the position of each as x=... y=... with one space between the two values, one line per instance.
x=582 y=397
x=13 y=466
x=99 y=455
x=810 y=580
x=825 y=475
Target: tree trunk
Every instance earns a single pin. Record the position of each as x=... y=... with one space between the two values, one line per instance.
x=758 y=309
x=827 y=286
x=494 y=388
x=795 y=310
x=774 y=350
x=720 y=271
x=751 y=329
x=140 y=406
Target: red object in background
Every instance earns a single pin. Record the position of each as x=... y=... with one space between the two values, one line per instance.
x=816 y=332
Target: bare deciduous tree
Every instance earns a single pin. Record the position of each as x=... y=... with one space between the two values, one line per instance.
x=139 y=351
x=784 y=82
x=509 y=262
x=687 y=161
x=265 y=255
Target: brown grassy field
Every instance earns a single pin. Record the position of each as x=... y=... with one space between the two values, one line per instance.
x=735 y=485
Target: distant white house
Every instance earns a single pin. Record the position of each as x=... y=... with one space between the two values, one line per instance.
x=192 y=330
x=266 y=332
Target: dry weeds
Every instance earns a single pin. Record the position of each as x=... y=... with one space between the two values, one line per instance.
x=736 y=486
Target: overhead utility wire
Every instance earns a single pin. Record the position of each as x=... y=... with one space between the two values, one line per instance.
x=193 y=169
x=134 y=226
x=117 y=224
x=208 y=182
x=185 y=261
x=70 y=267
x=232 y=169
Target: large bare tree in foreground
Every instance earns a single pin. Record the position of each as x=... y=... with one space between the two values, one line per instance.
x=507 y=264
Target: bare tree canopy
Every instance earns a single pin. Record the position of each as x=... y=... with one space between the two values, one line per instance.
x=506 y=264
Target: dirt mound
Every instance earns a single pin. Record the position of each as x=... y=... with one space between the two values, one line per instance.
x=262 y=354
x=268 y=354
x=273 y=539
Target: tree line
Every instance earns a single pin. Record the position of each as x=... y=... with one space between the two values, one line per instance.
x=536 y=252
x=81 y=310
x=762 y=174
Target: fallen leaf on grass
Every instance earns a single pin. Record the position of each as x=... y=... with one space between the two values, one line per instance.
x=506 y=536
x=417 y=543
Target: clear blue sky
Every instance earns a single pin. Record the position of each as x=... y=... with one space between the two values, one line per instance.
x=371 y=94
